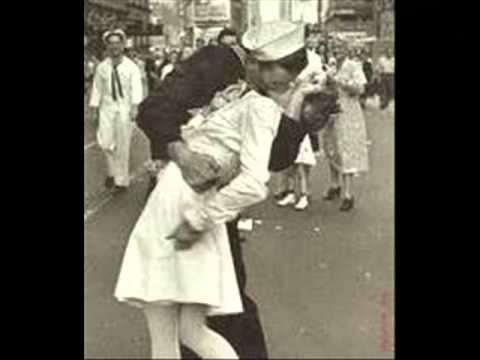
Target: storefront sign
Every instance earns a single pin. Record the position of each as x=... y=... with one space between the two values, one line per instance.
x=211 y=11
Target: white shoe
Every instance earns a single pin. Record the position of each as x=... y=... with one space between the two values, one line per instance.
x=302 y=203
x=289 y=199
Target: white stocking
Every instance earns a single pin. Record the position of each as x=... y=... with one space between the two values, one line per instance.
x=163 y=326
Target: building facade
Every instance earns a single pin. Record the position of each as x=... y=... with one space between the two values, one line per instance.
x=351 y=18
x=239 y=15
x=209 y=17
x=306 y=11
x=385 y=19
x=133 y=16
x=138 y=20
x=247 y=13
x=165 y=12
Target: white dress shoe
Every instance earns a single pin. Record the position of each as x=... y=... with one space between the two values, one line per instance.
x=289 y=199
x=302 y=203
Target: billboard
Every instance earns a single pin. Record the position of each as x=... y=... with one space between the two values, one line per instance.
x=211 y=11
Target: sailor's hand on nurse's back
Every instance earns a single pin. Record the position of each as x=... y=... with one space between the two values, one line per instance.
x=200 y=171
x=185 y=236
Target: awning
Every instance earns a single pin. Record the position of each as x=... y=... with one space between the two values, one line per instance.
x=115 y=5
x=367 y=39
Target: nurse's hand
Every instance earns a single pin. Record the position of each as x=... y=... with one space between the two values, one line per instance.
x=312 y=84
x=185 y=236
x=200 y=171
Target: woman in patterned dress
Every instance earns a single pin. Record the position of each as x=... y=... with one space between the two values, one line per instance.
x=345 y=139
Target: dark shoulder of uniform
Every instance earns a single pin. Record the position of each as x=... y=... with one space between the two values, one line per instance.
x=215 y=58
x=194 y=82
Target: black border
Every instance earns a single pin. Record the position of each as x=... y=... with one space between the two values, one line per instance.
x=434 y=145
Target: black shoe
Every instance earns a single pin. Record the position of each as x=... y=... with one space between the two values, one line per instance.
x=119 y=189
x=347 y=204
x=332 y=194
x=280 y=195
x=109 y=182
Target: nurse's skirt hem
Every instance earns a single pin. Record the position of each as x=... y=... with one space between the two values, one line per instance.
x=152 y=270
x=213 y=310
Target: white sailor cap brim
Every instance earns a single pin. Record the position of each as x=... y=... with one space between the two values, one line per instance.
x=274 y=40
x=117 y=32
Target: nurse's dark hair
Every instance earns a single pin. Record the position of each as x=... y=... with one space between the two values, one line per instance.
x=226 y=32
x=293 y=63
x=322 y=106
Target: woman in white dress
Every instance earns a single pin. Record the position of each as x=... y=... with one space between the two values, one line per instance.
x=177 y=266
x=299 y=174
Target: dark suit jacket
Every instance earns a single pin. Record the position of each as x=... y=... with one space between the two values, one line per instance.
x=151 y=67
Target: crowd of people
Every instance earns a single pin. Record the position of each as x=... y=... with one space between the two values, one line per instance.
x=156 y=62
x=344 y=141
x=220 y=120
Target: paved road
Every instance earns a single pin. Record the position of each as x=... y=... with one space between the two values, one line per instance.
x=323 y=279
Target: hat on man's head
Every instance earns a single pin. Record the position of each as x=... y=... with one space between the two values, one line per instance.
x=274 y=40
x=118 y=32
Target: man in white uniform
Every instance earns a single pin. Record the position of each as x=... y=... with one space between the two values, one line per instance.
x=116 y=94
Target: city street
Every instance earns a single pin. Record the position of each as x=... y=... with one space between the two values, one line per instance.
x=323 y=279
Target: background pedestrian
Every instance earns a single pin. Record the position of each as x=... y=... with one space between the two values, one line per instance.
x=227 y=37
x=173 y=58
x=386 y=69
x=345 y=139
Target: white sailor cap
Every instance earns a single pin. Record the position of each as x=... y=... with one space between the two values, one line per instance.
x=274 y=40
x=117 y=32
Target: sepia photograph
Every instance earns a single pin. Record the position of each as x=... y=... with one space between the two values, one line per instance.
x=239 y=179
